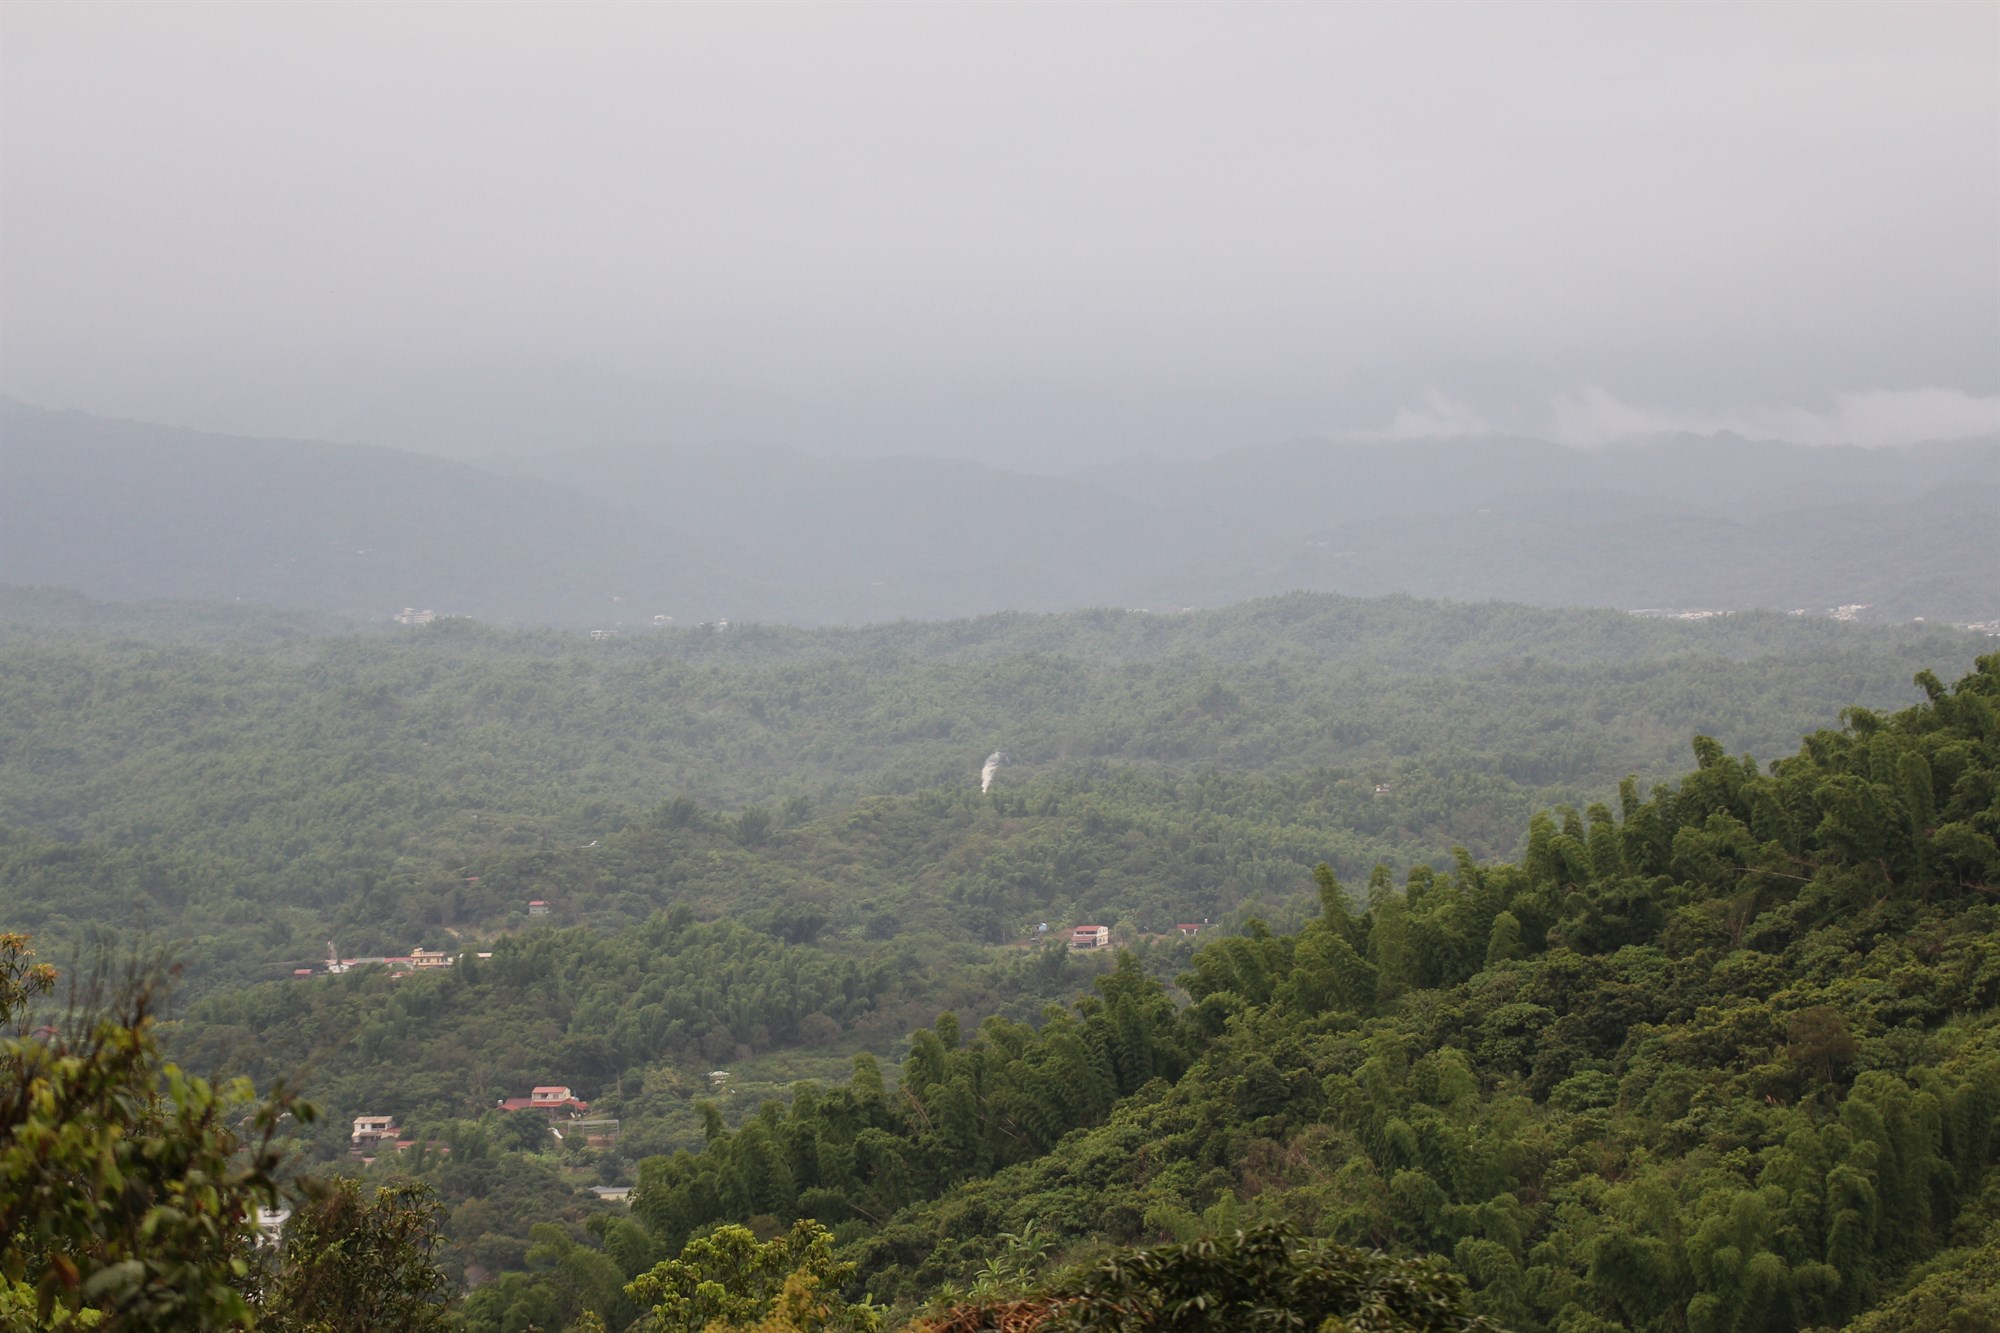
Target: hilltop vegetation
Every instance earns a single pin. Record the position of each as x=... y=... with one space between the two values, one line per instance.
x=1727 y=1059
x=1714 y=1055
x=261 y=784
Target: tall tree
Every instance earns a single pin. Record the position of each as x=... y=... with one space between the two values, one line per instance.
x=125 y=1187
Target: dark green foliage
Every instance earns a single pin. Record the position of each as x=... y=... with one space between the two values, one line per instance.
x=853 y=1153
x=596 y=1012
x=1717 y=1055
x=1265 y=1278
x=258 y=786
x=128 y=1189
x=1760 y=1113
x=1262 y=1279
x=355 y=1259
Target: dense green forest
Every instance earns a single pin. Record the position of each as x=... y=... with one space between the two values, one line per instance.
x=256 y=783
x=1725 y=1057
x=1607 y=1050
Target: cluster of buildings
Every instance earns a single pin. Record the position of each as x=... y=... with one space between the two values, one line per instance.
x=565 y=1110
x=1099 y=937
x=1667 y=613
x=554 y=1100
x=416 y=960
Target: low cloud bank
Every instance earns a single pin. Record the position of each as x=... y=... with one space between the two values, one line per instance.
x=1592 y=415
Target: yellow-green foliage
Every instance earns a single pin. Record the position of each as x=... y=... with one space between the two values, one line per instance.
x=125 y=1186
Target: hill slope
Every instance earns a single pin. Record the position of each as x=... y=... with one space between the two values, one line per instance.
x=1727 y=1058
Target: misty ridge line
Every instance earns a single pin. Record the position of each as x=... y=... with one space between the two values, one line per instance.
x=614 y=535
x=1046 y=429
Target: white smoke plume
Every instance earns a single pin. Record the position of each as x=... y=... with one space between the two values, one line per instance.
x=993 y=762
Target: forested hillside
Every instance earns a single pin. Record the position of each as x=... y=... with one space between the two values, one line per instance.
x=255 y=784
x=1726 y=1058
x=999 y=668
x=1567 y=1051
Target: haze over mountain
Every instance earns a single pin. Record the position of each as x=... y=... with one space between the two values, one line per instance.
x=873 y=668
x=871 y=313
x=1037 y=237
x=125 y=510
x=610 y=536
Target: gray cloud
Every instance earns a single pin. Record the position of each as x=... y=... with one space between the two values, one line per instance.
x=1023 y=229
x=1592 y=415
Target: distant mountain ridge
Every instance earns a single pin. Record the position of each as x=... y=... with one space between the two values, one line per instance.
x=602 y=536
x=126 y=510
x=1315 y=482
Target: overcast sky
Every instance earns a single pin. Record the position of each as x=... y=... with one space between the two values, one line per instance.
x=1038 y=233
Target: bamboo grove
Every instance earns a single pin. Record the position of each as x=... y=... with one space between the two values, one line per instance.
x=1725 y=1058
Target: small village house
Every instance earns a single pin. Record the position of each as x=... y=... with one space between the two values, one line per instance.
x=553 y=1099
x=370 y=1130
x=1090 y=937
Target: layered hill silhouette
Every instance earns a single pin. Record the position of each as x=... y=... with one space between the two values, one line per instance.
x=121 y=510
x=617 y=535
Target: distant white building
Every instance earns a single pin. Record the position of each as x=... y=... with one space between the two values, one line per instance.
x=409 y=615
x=271 y=1224
x=370 y=1130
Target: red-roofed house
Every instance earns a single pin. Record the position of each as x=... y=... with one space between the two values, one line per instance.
x=1090 y=937
x=1189 y=929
